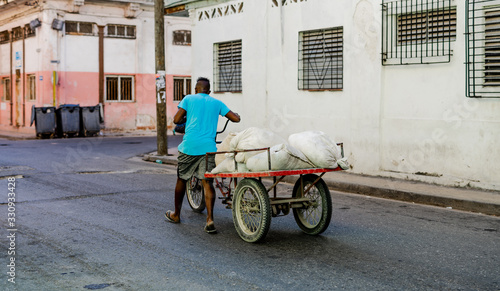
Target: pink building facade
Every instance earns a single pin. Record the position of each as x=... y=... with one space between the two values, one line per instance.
x=88 y=53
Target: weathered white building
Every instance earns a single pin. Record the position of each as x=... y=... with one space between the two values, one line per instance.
x=410 y=87
x=88 y=52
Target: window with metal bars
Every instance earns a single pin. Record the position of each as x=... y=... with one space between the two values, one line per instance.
x=182 y=87
x=227 y=66
x=31 y=87
x=80 y=28
x=120 y=31
x=119 y=88
x=483 y=48
x=6 y=89
x=182 y=37
x=321 y=62
x=418 y=31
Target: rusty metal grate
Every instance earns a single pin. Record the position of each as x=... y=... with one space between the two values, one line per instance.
x=119 y=88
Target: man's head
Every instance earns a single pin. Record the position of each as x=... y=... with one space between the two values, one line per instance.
x=202 y=86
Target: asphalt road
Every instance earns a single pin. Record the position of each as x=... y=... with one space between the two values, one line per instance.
x=89 y=215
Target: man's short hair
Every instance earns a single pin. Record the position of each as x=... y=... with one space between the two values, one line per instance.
x=206 y=80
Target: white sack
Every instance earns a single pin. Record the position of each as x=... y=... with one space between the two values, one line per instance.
x=283 y=157
x=223 y=147
x=253 y=138
x=318 y=148
x=226 y=166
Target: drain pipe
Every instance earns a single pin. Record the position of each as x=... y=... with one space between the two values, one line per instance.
x=101 y=68
x=11 y=80
x=24 y=77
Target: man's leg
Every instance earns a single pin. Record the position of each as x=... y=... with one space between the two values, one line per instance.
x=208 y=186
x=180 y=190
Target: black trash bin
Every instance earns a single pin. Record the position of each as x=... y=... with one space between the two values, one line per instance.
x=90 y=120
x=68 y=120
x=45 y=121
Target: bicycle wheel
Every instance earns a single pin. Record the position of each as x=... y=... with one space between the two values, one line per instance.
x=251 y=210
x=195 y=194
x=314 y=218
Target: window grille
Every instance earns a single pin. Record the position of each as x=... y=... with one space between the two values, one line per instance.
x=418 y=31
x=17 y=33
x=321 y=59
x=80 y=28
x=6 y=89
x=119 y=88
x=120 y=31
x=4 y=37
x=483 y=48
x=182 y=87
x=227 y=66
x=182 y=37
x=31 y=87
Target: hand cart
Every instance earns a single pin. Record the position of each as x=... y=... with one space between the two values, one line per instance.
x=253 y=204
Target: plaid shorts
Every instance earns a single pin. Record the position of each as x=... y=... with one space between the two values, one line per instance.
x=189 y=166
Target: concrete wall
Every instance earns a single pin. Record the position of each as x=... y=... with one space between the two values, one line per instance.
x=410 y=121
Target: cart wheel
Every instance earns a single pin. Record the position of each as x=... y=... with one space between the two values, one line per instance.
x=314 y=218
x=195 y=194
x=251 y=210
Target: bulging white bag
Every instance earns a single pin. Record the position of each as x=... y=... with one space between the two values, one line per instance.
x=224 y=147
x=253 y=138
x=318 y=148
x=283 y=157
x=226 y=166
x=229 y=166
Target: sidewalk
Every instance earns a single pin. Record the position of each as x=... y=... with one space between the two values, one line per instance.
x=474 y=200
x=25 y=136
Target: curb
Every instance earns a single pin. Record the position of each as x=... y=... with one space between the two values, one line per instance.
x=416 y=197
x=386 y=192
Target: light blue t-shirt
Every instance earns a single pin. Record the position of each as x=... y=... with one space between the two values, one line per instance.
x=201 y=123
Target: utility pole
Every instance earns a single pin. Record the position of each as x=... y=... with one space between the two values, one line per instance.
x=161 y=107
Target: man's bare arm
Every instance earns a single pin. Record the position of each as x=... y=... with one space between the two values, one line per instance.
x=234 y=117
x=179 y=115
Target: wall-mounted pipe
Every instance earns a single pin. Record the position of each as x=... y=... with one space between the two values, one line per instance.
x=11 y=78
x=101 y=68
x=24 y=77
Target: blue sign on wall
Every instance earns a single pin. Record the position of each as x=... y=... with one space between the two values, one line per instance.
x=18 y=60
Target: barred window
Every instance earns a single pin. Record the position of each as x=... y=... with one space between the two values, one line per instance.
x=120 y=31
x=227 y=66
x=80 y=28
x=31 y=87
x=483 y=48
x=182 y=87
x=119 y=88
x=182 y=37
x=321 y=59
x=417 y=32
x=6 y=89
